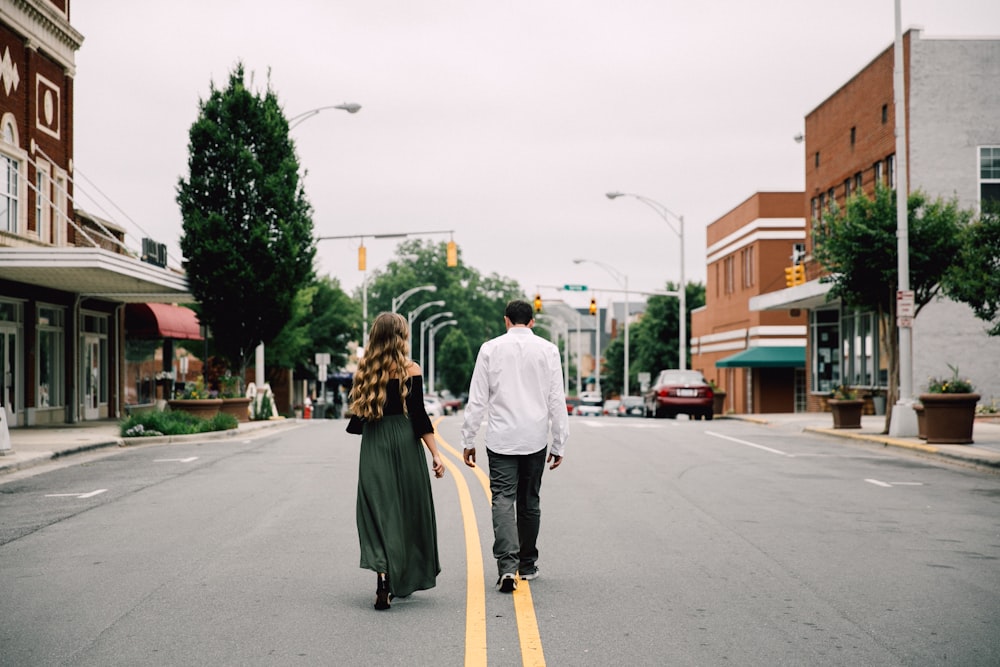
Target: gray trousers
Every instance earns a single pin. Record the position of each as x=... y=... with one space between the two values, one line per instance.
x=515 y=481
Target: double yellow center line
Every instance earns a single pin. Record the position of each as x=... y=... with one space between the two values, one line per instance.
x=475 y=601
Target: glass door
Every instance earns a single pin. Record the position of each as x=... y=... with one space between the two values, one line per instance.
x=8 y=375
x=91 y=377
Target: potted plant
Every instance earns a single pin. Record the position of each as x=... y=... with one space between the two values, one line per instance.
x=196 y=400
x=846 y=407
x=949 y=409
x=719 y=400
x=233 y=401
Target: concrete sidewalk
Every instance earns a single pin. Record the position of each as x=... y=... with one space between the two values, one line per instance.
x=36 y=445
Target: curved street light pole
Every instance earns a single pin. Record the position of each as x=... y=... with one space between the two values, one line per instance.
x=434 y=330
x=349 y=107
x=664 y=212
x=623 y=281
x=397 y=301
x=423 y=328
x=412 y=315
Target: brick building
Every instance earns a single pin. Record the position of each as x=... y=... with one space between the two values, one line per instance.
x=953 y=149
x=65 y=276
x=756 y=357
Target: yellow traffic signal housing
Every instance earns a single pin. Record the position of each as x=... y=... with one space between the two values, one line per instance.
x=799 y=274
x=795 y=275
x=538 y=303
x=362 y=252
x=593 y=306
x=452 y=254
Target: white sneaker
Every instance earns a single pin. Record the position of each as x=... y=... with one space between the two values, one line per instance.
x=530 y=574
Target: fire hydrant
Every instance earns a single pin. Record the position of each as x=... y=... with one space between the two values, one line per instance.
x=308 y=411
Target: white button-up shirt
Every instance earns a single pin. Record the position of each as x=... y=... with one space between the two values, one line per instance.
x=517 y=386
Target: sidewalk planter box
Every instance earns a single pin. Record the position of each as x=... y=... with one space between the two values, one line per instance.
x=719 y=403
x=203 y=408
x=921 y=421
x=847 y=412
x=948 y=418
x=237 y=407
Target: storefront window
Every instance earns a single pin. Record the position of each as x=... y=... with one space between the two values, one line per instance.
x=825 y=325
x=51 y=333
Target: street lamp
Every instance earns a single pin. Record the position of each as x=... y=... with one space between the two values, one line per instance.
x=623 y=281
x=664 y=212
x=434 y=330
x=426 y=325
x=412 y=315
x=397 y=301
x=349 y=107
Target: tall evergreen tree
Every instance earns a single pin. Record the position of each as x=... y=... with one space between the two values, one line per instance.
x=248 y=239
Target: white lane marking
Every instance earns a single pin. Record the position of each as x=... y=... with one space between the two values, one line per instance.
x=888 y=484
x=749 y=444
x=187 y=460
x=596 y=422
x=81 y=496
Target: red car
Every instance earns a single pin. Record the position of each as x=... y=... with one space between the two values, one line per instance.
x=571 y=403
x=676 y=392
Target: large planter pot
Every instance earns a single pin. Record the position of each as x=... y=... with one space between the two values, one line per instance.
x=237 y=407
x=846 y=413
x=921 y=421
x=203 y=408
x=719 y=403
x=948 y=418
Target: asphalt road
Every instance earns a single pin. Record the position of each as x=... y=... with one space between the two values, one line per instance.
x=663 y=543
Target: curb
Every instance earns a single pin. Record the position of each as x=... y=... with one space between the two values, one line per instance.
x=889 y=441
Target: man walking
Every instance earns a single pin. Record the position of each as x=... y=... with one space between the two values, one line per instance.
x=517 y=386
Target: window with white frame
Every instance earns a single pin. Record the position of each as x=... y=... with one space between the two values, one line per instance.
x=42 y=206
x=97 y=324
x=51 y=334
x=989 y=174
x=10 y=170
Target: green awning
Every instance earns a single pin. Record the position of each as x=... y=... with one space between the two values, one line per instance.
x=766 y=357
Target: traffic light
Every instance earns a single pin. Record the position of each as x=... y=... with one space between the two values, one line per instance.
x=538 y=303
x=452 y=254
x=795 y=275
x=362 y=252
x=593 y=306
x=799 y=274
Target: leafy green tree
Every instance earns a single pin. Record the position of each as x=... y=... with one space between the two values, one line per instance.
x=324 y=319
x=455 y=362
x=974 y=277
x=247 y=241
x=858 y=247
x=477 y=301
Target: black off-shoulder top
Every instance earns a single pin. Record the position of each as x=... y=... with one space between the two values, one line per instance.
x=419 y=420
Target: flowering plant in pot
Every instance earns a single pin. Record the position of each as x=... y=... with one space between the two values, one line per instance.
x=949 y=409
x=197 y=400
x=846 y=407
x=233 y=401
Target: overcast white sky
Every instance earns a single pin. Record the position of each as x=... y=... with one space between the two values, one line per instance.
x=504 y=121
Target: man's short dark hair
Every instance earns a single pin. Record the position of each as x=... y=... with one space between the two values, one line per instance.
x=519 y=312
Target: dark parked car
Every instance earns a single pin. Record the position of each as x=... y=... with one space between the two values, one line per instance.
x=631 y=406
x=676 y=392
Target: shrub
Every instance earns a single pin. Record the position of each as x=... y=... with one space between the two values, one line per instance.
x=174 y=423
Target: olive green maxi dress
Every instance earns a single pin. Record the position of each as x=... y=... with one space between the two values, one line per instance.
x=397 y=528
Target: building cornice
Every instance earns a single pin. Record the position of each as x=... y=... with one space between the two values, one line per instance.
x=44 y=27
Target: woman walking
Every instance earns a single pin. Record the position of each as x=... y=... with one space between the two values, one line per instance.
x=395 y=512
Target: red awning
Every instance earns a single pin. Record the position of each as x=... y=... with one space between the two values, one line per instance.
x=161 y=320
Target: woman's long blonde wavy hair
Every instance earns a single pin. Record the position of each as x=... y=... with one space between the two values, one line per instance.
x=385 y=358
